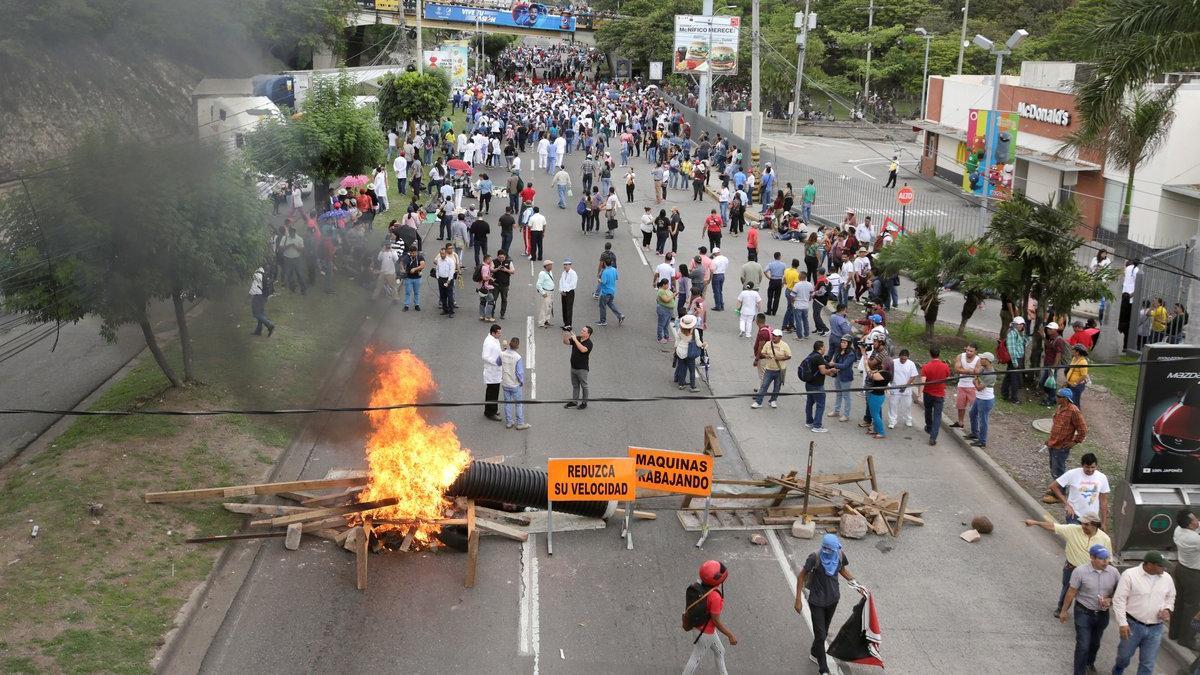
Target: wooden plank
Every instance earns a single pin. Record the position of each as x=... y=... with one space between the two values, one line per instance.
x=260 y=509
x=871 y=472
x=334 y=499
x=879 y=525
x=783 y=493
x=298 y=496
x=249 y=490
x=360 y=554
x=409 y=535
x=344 y=534
x=410 y=521
x=330 y=534
x=859 y=474
x=640 y=515
x=313 y=526
x=712 y=446
x=901 y=513
x=317 y=514
x=797 y=511
x=345 y=473
x=472 y=558
x=733 y=481
x=507 y=531
x=233 y=537
x=514 y=518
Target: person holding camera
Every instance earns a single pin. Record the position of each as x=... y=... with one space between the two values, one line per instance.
x=581 y=353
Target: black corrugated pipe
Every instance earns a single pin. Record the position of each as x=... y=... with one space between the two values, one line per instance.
x=518 y=485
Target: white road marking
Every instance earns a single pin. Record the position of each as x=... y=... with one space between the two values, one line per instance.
x=637 y=246
x=790 y=577
x=530 y=348
x=532 y=271
x=529 y=638
x=532 y=386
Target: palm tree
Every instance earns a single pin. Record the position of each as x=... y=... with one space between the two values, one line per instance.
x=977 y=264
x=921 y=256
x=1130 y=134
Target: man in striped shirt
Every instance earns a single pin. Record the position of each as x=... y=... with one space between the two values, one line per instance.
x=1015 y=341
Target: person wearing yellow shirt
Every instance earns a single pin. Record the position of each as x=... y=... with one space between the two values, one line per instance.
x=1077 y=539
x=790 y=276
x=1077 y=373
x=1158 y=321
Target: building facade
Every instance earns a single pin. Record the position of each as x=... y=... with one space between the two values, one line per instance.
x=1166 y=194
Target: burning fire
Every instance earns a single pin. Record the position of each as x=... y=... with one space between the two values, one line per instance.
x=407 y=457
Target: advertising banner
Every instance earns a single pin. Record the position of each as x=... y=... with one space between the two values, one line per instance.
x=523 y=15
x=459 y=59
x=1165 y=443
x=656 y=70
x=706 y=43
x=437 y=58
x=995 y=180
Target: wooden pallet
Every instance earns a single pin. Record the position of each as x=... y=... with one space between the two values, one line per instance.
x=741 y=519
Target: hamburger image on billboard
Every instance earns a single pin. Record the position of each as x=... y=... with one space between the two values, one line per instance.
x=723 y=59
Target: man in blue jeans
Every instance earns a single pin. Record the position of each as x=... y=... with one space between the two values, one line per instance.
x=1091 y=588
x=608 y=292
x=1144 y=600
x=985 y=400
x=933 y=392
x=1067 y=429
x=814 y=400
x=773 y=357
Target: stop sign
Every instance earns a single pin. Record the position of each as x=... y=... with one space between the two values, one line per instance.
x=905 y=195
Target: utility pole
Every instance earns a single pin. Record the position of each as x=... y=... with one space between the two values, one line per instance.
x=1193 y=301
x=802 y=46
x=755 y=88
x=962 y=38
x=706 y=76
x=870 y=25
x=420 y=49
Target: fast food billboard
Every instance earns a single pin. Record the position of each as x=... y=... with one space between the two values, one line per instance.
x=706 y=44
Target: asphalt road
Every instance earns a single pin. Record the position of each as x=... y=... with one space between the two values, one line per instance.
x=594 y=607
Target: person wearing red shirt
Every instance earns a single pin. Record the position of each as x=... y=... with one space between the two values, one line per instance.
x=933 y=392
x=712 y=226
x=752 y=244
x=527 y=196
x=762 y=337
x=1082 y=336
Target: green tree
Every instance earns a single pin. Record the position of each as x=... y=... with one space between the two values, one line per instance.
x=921 y=256
x=419 y=97
x=141 y=246
x=1037 y=243
x=1130 y=135
x=330 y=137
x=1135 y=41
x=976 y=265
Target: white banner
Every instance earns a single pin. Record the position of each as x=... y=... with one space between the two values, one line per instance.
x=704 y=43
x=656 y=70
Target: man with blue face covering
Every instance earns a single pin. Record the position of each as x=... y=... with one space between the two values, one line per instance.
x=820 y=577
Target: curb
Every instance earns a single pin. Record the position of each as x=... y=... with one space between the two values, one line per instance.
x=183 y=650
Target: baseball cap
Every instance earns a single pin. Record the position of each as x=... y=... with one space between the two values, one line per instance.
x=1154 y=557
x=988 y=356
x=777 y=332
x=716 y=250
x=568 y=261
x=1067 y=394
x=1018 y=320
x=547 y=262
x=876 y=318
x=1052 y=325
x=1089 y=518
x=1098 y=551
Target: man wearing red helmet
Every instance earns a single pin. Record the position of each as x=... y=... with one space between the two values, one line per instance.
x=712 y=576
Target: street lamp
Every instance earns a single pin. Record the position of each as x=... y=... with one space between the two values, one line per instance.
x=999 y=52
x=925 y=76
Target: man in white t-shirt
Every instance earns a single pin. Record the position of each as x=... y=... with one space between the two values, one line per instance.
x=400 y=165
x=904 y=373
x=1086 y=490
x=965 y=366
x=720 y=263
x=386 y=279
x=665 y=269
x=748 y=304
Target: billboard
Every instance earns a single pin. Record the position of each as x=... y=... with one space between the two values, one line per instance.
x=438 y=58
x=1165 y=443
x=706 y=44
x=995 y=180
x=523 y=15
x=656 y=70
x=459 y=59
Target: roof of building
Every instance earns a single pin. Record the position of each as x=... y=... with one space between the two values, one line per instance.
x=221 y=87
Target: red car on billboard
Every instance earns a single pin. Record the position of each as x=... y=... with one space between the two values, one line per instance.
x=1177 y=431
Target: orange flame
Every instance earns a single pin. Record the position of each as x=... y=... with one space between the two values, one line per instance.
x=407 y=457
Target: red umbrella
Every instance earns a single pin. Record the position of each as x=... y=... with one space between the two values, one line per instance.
x=459 y=165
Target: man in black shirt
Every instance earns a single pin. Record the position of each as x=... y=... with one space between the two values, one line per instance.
x=506 y=229
x=502 y=271
x=480 y=229
x=412 y=266
x=409 y=236
x=581 y=352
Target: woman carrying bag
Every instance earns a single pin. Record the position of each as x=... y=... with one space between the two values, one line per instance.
x=688 y=348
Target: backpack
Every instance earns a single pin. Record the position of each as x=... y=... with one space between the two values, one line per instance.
x=695 y=613
x=807 y=370
x=477 y=277
x=268 y=285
